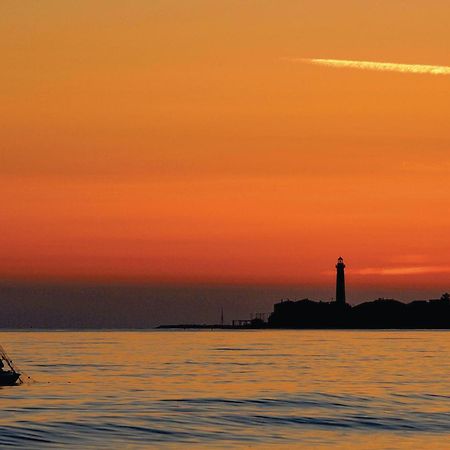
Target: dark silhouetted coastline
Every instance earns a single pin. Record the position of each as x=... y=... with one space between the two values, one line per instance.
x=378 y=314
x=381 y=313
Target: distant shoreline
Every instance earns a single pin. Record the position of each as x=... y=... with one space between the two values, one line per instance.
x=193 y=327
x=230 y=327
x=380 y=314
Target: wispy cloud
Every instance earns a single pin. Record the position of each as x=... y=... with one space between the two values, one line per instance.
x=411 y=270
x=377 y=66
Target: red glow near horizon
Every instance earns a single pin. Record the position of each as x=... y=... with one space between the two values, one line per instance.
x=151 y=147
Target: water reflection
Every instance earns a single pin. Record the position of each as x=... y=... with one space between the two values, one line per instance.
x=221 y=389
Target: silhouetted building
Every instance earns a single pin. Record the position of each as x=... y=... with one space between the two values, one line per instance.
x=308 y=314
x=340 y=282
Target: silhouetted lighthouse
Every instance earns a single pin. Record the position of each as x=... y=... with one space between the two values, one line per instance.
x=340 y=282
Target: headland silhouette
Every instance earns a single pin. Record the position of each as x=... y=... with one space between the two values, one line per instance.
x=378 y=314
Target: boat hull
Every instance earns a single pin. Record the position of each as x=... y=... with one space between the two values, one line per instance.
x=8 y=378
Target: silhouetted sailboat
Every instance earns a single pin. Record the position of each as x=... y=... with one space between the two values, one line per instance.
x=9 y=375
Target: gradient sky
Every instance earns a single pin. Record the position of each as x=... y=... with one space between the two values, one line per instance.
x=176 y=142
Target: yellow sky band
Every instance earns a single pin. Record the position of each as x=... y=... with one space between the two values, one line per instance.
x=379 y=66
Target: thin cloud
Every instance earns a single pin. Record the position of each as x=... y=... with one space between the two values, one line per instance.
x=376 y=66
x=412 y=270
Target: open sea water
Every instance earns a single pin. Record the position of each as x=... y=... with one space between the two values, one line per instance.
x=228 y=389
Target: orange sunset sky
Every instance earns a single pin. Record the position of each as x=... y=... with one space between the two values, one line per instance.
x=182 y=142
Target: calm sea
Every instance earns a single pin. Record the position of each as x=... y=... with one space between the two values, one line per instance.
x=229 y=389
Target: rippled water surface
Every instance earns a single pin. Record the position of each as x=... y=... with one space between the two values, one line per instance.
x=228 y=389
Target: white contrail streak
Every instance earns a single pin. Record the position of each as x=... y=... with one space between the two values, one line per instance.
x=378 y=66
x=416 y=270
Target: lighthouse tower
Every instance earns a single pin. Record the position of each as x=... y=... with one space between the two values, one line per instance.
x=340 y=282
